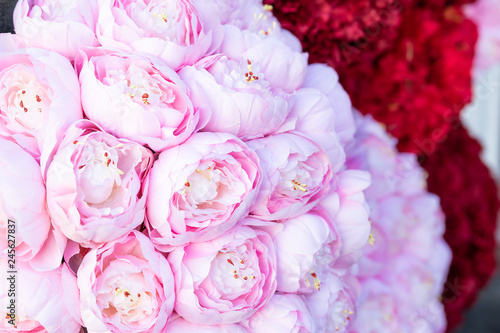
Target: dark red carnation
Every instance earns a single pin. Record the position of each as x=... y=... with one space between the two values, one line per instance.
x=418 y=87
x=469 y=198
x=341 y=32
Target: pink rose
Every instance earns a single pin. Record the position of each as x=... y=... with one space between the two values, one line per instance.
x=297 y=176
x=23 y=212
x=39 y=98
x=225 y=280
x=126 y=286
x=201 y=189
x=232 y=100
x=181 y=325
x=174 y=31
x=133 y=98
x=333 y=306
x=44 y=301
x=94 y=190
x=60 y=26
x=285 y=313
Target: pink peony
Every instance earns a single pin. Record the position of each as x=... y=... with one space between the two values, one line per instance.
x=56 y=25
x=297 y=175
x=181 y=325
x=134 y=98
x=403 y=269
x=39 y=97
x=306 y=250
x=95 y=189
x=333 y=306
x=44 y=301
x=174 y=31
x=201 y=189
x=285 y=313
x=22 y=201
x=126 y=286
x=231 y=100
x=225 y=280
x=348 y=211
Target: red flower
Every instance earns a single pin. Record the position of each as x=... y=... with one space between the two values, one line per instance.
x=341 y=32
x=418 y=87
x=470 y=201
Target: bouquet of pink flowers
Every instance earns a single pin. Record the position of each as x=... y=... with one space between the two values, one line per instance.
x=173 y=166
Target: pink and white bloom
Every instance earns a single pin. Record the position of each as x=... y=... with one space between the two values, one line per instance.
x=297 y=175
x=225 y=280
x=39 y=97
x=44 y=301
x=174 y=31
x=307 y=248
x=333 y=307
x=201 y=189
x=95 y=190
x=135 y=98
x=62 y=26
x=23 y=212
x=285 y=313
x=181 y=325
x=284 y=67
x=234 y=97
x=126 y=286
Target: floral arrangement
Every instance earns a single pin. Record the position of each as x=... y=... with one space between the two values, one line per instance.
x=178 y=166
x=457 y=168
x=402 y=271
x=417 y=85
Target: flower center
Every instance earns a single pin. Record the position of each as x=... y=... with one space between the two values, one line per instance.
x=126 y=296
x=202 y=186
x=99 y=171
x=27 y=99
x=232 y=271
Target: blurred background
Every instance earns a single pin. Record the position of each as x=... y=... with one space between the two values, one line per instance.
x=482 y=118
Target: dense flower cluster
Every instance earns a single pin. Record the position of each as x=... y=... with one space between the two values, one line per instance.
x=419 y=86
x=406 y=240
x=189 y=171
x=341 y=33
x=471 y=214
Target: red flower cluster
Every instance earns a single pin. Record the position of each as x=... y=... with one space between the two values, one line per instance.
x=419 y=86
x=469 y=199
x=341 y=33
